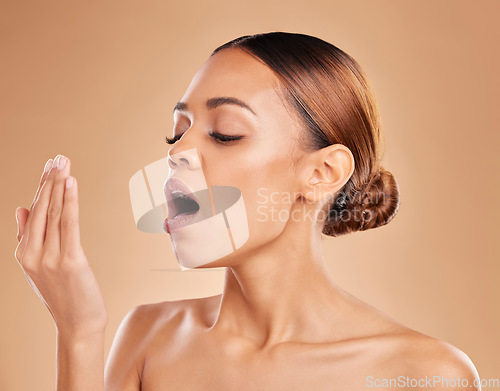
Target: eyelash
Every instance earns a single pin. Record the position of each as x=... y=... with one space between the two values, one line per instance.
x=218 y=137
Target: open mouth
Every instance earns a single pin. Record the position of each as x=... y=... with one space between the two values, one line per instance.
x=182 y=204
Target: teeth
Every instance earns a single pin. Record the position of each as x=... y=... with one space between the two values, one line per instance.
x=177 y=192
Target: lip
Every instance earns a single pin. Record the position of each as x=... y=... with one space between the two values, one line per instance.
x=172 y=223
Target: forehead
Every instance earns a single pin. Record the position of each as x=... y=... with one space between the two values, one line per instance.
x=234 y=73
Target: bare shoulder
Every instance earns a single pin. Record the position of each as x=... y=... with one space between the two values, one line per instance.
x=147 y=320
x=394 y=351
x=143 y=328
x=419 y=360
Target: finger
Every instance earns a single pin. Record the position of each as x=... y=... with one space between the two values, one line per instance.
x=21 y=218
x=46 y=169
x=25 y=215
x=19 y=231
x=70 y=226
x=52 y=242
x=36 y=224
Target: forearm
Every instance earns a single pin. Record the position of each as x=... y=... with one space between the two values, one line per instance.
x=80 y=363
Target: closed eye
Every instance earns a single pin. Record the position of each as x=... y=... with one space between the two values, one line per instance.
x=220 y=138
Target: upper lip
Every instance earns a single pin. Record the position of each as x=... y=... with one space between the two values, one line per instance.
x=175 y=184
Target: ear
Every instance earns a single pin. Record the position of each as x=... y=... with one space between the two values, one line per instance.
x=326 y=171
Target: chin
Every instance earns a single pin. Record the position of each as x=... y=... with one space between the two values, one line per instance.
x=211 y=239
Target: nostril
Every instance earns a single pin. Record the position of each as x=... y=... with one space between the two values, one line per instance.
x=185 y=158
x=171 y=163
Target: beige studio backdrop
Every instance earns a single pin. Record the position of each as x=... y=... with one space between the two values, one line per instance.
x=96 y=81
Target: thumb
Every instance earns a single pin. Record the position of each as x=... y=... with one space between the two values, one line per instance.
x=17 y=221
x=21 y=217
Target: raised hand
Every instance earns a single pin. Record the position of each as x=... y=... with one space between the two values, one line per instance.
x=50 y=254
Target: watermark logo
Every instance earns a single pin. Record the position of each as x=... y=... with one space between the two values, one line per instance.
x=432 y=382
x=270 y=206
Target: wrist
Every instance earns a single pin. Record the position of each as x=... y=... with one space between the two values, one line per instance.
x=80 y=335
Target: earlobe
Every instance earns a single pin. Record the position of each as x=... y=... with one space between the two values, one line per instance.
x=317 y=188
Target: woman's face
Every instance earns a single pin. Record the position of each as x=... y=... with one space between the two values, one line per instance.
x=259 y=163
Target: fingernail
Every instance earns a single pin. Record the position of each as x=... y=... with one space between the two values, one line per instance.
x=69 y=182
x=61 y=163
x=47 y=165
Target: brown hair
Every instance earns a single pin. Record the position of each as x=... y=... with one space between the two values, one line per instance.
x=334 y=100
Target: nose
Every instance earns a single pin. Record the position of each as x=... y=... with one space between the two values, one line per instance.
x=188 y=158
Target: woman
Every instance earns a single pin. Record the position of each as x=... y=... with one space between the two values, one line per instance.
x=292 y=115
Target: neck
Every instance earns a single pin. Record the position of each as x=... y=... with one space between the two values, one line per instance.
x=281 y=292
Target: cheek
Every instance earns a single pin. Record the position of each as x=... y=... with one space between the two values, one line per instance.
x=262 y=164
x=262 y=171
x=265 y=179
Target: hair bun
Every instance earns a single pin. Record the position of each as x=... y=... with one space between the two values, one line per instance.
x=373 y=206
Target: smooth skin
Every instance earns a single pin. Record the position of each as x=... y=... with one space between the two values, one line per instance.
x=281 y=323
x=51 y=256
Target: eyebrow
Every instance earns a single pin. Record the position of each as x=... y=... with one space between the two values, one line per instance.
x=213 y=103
